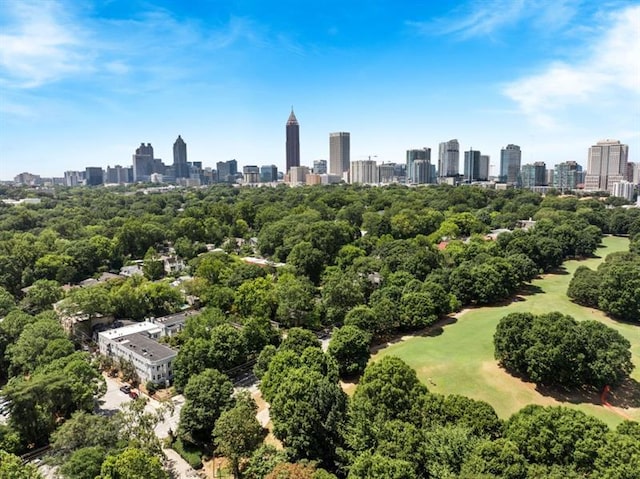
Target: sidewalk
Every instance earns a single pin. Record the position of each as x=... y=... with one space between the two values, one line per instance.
x=180 y=467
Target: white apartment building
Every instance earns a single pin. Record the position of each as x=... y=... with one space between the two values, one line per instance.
x=138 y=344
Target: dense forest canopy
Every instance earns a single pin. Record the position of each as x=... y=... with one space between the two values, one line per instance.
x=371 y=262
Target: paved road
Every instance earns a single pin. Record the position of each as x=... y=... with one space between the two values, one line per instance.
x=114 y=399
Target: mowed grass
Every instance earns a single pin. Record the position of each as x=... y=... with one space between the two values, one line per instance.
x=458 y=357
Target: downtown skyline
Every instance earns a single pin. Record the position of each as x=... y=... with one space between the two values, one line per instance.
x=82 y=86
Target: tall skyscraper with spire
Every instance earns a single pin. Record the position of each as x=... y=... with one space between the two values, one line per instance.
x=180 y=165
x=293 y=141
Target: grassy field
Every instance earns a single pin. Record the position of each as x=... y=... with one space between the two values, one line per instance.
x=457 y=358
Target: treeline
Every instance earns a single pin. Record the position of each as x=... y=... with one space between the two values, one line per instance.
x=614 y=287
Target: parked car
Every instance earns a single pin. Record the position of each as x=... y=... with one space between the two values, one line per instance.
x=133 y=395
x=125 y=389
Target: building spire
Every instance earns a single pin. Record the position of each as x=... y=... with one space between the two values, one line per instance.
x=292 y=118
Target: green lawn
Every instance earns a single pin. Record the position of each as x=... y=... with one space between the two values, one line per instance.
x=458 y=358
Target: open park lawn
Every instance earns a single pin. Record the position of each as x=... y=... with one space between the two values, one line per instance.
x=457 y=356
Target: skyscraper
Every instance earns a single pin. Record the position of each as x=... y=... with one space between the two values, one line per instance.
x=417 y=155
x=143 y=162
x=293 y=141
x=510 y=158
x=566 y=176
x=180 y=165
x=534 y=174
x=448 y=158
x=606 y=165
x=472 y=166
x=339 y=152
x=364 y=172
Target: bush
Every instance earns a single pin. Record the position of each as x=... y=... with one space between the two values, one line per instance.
x=189 y=453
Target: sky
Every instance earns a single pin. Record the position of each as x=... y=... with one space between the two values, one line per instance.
x=84 y=83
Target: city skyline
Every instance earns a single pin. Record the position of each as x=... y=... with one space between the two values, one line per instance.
x=551 y=77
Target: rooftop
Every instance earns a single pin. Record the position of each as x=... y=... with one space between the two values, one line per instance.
x=143 y=327
x=145 y=347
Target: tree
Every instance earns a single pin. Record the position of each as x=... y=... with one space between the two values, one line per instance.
x=307 y=260
x=417 y=311
x=11 y=467
x=153 y=267
x=85 y=430
x=556 y=435
x=53 y=392
x=499 y=458
x=264 y=358
x=207 y=395
x=84 y=463
x=237 y=432
x=227 y=348
x=363 y=317
x=555 y=349
x=349 y=346
x=308 y=414
x=287 y=470
x=620 y=289
x=295 y=300
x=369 y=466
x=92 y=301
x=257 y=298
x=298 y=339
x=7 y=302
x=258 y=333
x=584 y=287
x=263 y=461
x=619 y=457
x=39 y=343
x=41 y=295
x=132 y=463
x=388 y=390
x=340 y=293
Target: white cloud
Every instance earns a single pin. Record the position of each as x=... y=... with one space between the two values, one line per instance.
x=484 y=18
x=39 y=46
x=609 y=73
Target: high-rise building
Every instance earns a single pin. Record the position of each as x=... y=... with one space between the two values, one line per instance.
x=298 y=175
x=180 y=165
x=339 y=152
x=623 y=189
x=143 y=162
x=364 y=172
x=606 y=165
x=386 y=171
x=421 y=172
x=293 y=141
x=534 y=174
x=227 y=171
x=94 y=175
x=268 y=173
x=566 y=176
x=320 y=167
x=510 y=158
x=448 y=158
x=251 y=174
x=549 y=175
x=423 y=154
x=483 y=167
x=472 y=165
x=118 y=175
x=636 y=174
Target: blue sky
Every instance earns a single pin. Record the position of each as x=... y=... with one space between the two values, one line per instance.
x=83 y=83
